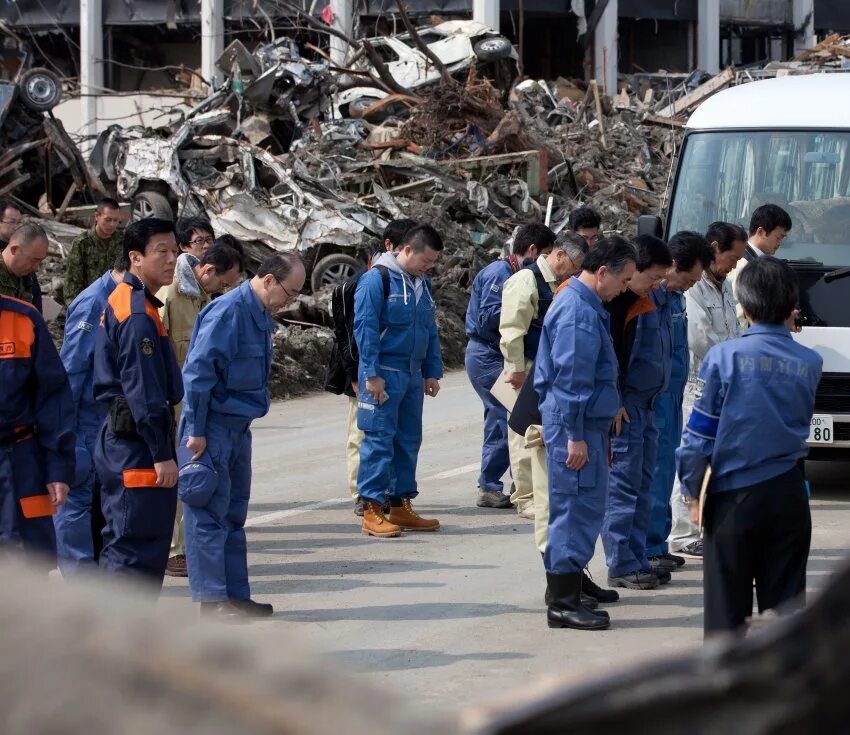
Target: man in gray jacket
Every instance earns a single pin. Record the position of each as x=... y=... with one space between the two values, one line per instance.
x=710 y=307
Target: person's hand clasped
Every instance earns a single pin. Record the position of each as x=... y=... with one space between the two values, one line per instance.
x=576 y=454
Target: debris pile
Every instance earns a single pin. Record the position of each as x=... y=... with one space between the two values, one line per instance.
x=832 y=52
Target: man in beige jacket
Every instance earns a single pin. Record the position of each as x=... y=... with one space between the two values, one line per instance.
x=526 y=297
x=194 y=281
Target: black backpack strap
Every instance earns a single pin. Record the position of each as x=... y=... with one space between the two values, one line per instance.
x=385 y=279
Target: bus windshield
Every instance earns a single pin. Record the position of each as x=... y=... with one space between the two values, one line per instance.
x=726 y=175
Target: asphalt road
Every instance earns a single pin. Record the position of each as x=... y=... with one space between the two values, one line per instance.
x=457 y=617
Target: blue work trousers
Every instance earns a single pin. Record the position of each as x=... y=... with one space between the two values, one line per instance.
x=392 y=435
x=576 y=499
x=21 y=524
x=139 y=515
x=216 y=547
x=629 y=502
x=73 y=521
x=668 y=420
x=484 y=366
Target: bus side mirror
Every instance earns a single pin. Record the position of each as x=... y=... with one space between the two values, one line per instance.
x=650 y=224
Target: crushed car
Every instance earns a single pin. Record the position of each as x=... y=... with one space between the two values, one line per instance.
x=458 y=44
x=243 y=189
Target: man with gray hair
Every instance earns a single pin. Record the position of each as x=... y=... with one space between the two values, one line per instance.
x=19 y=262
x=226 y=377
x=526 y=297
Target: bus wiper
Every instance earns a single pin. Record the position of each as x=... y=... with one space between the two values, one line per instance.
x=802 y=261
x=836 y=275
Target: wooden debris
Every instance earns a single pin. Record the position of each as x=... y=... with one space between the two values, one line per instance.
x=700 y=94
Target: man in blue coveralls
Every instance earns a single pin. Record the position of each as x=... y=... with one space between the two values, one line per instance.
x=484 y=362
x=226 y=378
x=691 y=255
x=136 y=376
x=641 y=336
x=36 y=431
x=576 y=379
x=75 y=544
x=399 y=362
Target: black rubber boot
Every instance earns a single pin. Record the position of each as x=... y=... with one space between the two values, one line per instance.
x=566 y=610
x=589 y=602
x=591 y=589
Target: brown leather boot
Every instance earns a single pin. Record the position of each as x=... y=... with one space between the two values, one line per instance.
x=375 y=523
x=403 y=515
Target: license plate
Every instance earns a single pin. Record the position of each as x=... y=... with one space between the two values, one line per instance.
x=820 y=430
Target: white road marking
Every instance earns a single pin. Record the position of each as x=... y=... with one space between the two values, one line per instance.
x=306 y=508
x=466 y=469
x=318 y=505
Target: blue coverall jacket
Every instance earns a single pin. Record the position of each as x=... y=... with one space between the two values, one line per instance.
x=484 y=365
x=576 y=378
x=226 y=379
x=646 y=376
x=398 y=340
x=135 y=369
x=751 y=418
x=36 y=427
x=74 y=542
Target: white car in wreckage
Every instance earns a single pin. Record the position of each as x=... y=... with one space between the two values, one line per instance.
x=458 y=44
x=243 y=190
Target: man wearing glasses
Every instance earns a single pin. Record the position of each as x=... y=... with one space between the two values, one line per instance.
x=195 y=236
x=225 y=378
x=94 y=252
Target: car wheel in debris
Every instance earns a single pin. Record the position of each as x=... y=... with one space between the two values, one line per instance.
x=148 y=204
x=334 y=269
x=492 y=49
x=40 y=89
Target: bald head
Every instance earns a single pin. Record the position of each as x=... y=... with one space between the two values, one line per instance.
x=27 y=248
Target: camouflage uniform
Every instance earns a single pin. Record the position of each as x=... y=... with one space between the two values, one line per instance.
x=89 y=258
x=15 y=286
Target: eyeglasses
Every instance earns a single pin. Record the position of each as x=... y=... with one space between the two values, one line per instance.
x=202 y=241
x=290 y=295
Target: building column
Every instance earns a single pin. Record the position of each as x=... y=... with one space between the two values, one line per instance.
x=486 y=12
x=708 y=36
x=804 y=20
x=343 y=21
x=91 y=64
x=212 y=38
x=605 y=61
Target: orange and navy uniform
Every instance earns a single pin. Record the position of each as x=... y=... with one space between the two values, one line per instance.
x=36 y=426
x=135 y=374
x=135 y=359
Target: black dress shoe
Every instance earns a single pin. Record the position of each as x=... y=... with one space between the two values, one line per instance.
x=253 y=609
x=220 y=611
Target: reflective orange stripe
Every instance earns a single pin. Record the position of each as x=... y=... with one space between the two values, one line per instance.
x=37 y=506
x=139 y=478
x=17 y=335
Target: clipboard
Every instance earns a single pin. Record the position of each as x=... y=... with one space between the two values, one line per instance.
x=504 y=393
x=703 y=494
